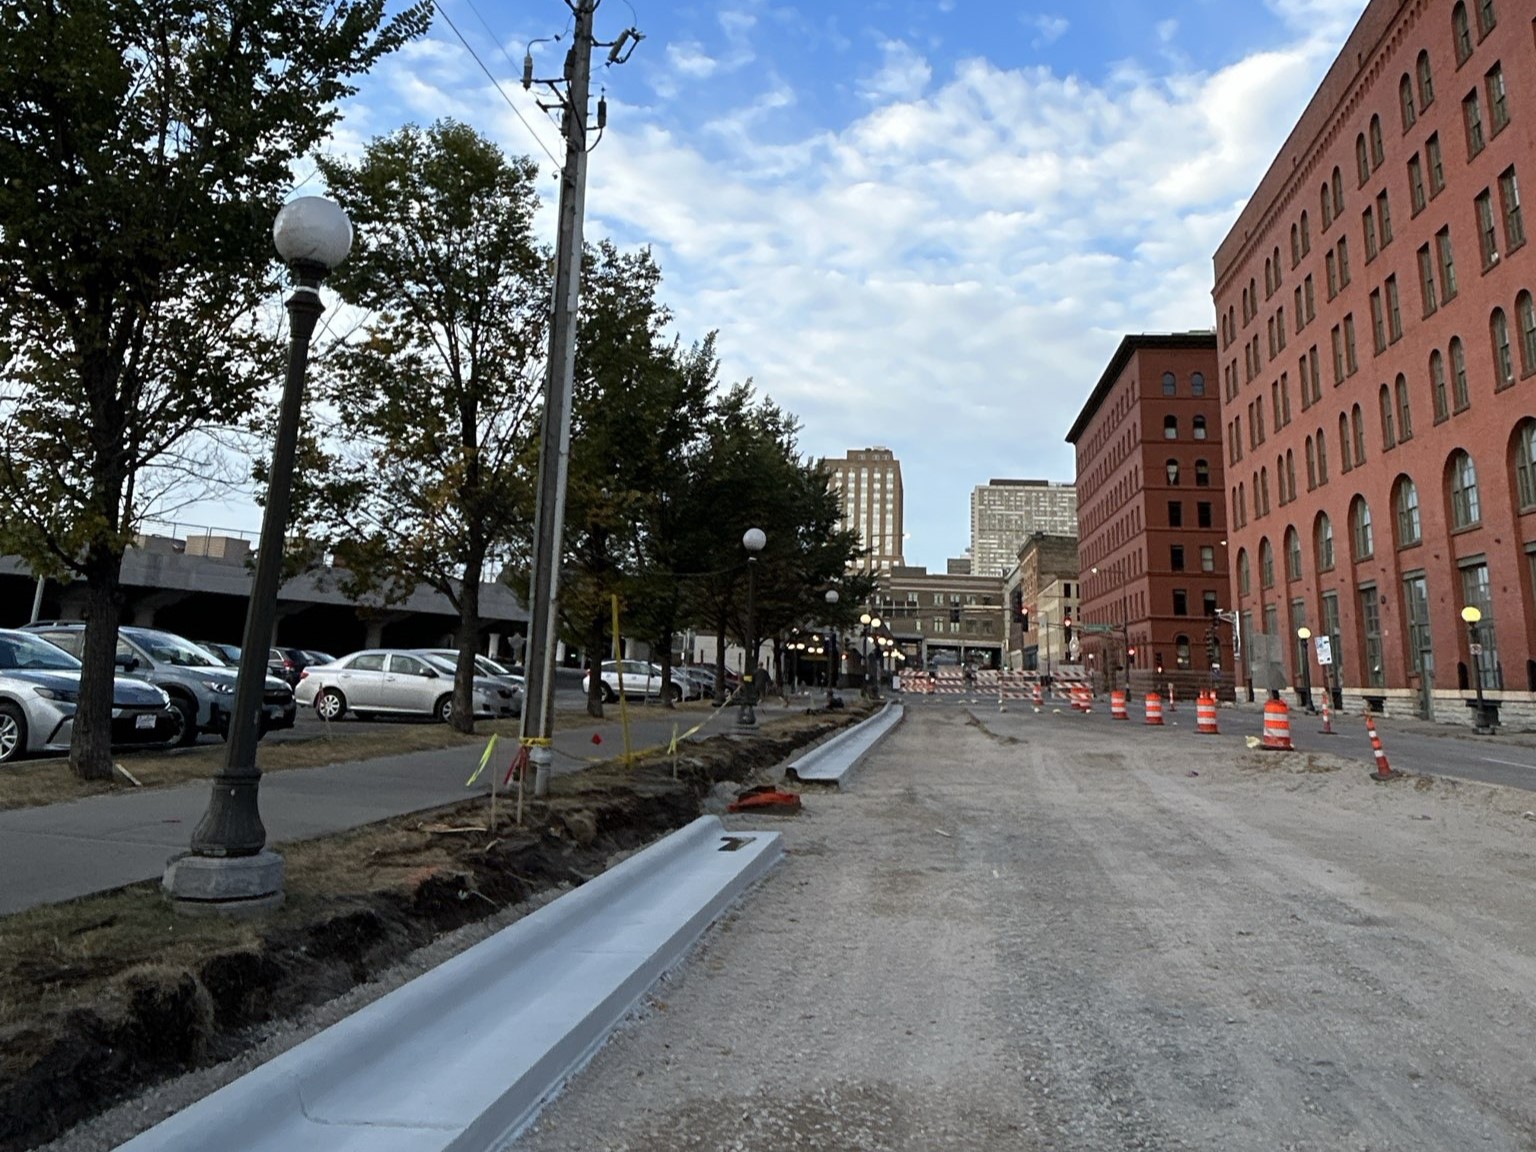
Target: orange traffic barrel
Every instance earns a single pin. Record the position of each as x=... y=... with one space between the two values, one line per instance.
x=1154 y=708
x=1205 y=714
x=1036 y=697
x=1117 y=708
x=1277 y=727
x=1082 y=699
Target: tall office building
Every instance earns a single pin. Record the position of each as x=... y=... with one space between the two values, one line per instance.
x=1006 y=513
x=869 y=481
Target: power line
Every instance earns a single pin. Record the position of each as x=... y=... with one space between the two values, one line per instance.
x=496 y=84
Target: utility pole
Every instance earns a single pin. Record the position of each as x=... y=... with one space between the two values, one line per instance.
x=538 y=722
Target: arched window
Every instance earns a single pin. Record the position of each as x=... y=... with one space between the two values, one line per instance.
x=1378 y=145
x=1240 y=509
x=1459 y=394
x=1295 y=245
x=1357 y=423
x=1461 y=33
x=1263 y=493
x=1503 y=359
x=1181 y=651
x=1266 y=564
x=1322 y=458
x=1269 y=278
x=1292 y=554
x=1485 y=17
x=1525 y=317
x=1280 y=476
x=1388 y=419
x=1405 y=100
x=1279 y=272
x=1170 y=427
x=1306 y=234
x=1197 y=386
x=1409 y=530
x=1244 y=575
x=1465 y=508
x=1361 y=529
x=1525 y=465
x=1199 y=427
x=1426 y=82
x=1326 y=201
x=1322 y=535
x=1172 y=468
x=1437 y=385
x=1338 y=193
x=1311 y=465
x=1344 y=442
x=1203 y=475
x=1404 y=409
x=1170 y=384
x=1290 y=472
x=1362 y=160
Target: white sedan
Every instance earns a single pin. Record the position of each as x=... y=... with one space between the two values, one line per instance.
x=640 y=678
x=395 y=681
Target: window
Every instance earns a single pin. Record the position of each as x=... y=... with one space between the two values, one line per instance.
x=1322 y=458
x=1378 y=147
x=1244 y=576
x=1426 y=82
x=1203 y=514
x=1208 y=602
x=1202 y=474
x=1292 y=554
x=1368 y=227
x=1384 y=217
x=1461 y=33
x=1170 y=427
x=1345 y=440
x=1437 y=385
x=1331 y=266
x=1306 y=235
x=1323 y=538
x=1326 y=200
x=1295 y=245
x=1317 y=382
x=1427 y=281
x=1172 y=469
x=1416 y=198
x=1176 y=557
x=1343 y=261
x=1264 y=489
x=1362 y=160
x=1394 y=311
x=1357 y=425
x=1447 y=262
x=1408 y=527
x=1311 y=465
x=1181 y=651
x=1485 y=18
x=1280 y=477
x=1503 y=358
x=1170 y=384
x=1525 y=465
x=1509 y=200
x=1337 y=335
x=1197 y=384
x=1404 y=409
x=1405 y=101
x=1460 y=397
x=1436 y=166
x=1525 y=317
x=1266 y=564
x=1207 y=558
x=1370 y=627
x=1180 y=602
x=1472 y=115
x=1310 y=296
x=1364 y=534
x=1175 y=514
x=1199 y=427
x=1388 y=419
x=1378 y=323
x=1351 y=361
x=1337 y=184
x=1498 y=99
x=1487 y=233
x=1465 y=509
x=1476 y=592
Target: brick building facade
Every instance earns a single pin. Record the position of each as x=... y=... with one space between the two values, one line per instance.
x=1378 y=366
x=1042 y=583
x=1151 y=512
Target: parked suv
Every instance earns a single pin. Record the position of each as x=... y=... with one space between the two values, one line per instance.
x=201 y=687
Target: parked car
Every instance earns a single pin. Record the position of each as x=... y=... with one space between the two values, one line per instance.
x=640 y=679
x=395 y=681
x=696 y=681
x=298 y=659
x=40 y=687
x=229 y=653
x=200 y=685
x=486 y=667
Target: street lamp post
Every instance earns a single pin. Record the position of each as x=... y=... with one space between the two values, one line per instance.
x=834 y=669
x=1304 y=634
x=228 y=868
x=871 y=684
x=1472 y=615
x=753 y=540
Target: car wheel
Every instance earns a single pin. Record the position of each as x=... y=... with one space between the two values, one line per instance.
x=186 y=722
x=330 y=705
x=676 y=693
x=13 y=733
x=443 y=709
x=609 y=695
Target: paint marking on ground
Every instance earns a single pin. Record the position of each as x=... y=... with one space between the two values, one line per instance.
x=1511 y=763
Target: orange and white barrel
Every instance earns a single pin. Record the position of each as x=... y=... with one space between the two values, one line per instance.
x=1277 y=727
x=1154 y=709
x=1117 y=708
x=1205 y=714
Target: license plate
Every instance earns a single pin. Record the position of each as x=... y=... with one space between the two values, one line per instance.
x=146 y=720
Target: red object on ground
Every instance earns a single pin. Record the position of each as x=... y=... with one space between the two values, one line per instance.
x=597 y=737
x=766 y=800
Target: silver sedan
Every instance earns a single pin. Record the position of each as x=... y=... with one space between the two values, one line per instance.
x=395 y=681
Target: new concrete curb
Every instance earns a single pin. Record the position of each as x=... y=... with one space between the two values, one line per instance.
x=834 y=761
x=461 y=1058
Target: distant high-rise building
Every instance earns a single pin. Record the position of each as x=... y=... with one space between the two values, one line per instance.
x=958 y=566
x=1005 y=513
x=869 y=482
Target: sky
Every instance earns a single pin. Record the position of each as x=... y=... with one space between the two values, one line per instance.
x=920 y=224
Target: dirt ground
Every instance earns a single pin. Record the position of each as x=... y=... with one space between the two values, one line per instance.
x=103 y=998
x=1014 y=934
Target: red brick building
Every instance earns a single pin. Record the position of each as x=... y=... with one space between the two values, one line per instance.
x=1151 y=511
x=1378 y=365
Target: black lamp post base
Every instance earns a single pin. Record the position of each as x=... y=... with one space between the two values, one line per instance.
x=746 y=717
x=224 y=885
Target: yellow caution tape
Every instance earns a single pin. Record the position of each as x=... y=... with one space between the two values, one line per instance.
x=485 y=758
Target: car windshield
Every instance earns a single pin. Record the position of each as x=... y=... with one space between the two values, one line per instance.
x=18 y=650
x=441 y=663
x=168 y=649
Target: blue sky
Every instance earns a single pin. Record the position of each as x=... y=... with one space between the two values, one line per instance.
x=923 y=224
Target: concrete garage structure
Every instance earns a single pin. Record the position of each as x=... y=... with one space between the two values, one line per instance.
x=199 y=587
x=1378 y=367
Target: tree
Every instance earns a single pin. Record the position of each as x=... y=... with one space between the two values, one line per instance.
x=435 y=405
x=146 y=146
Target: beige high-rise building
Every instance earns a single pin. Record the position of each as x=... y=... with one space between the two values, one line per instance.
x=869 y=482
x=1006 y=513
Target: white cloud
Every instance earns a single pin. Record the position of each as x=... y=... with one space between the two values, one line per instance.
x=1167 y=30
x=690 y=59
x=1049 y=29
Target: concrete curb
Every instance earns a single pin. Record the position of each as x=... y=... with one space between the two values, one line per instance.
x=834 y=761
x=461 y=1058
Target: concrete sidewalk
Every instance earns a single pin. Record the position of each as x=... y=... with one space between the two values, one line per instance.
x=63 y=851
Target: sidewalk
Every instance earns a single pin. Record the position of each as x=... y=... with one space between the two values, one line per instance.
x=63 y=851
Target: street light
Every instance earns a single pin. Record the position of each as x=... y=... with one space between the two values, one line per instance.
x=229 y=868
x=870 y=623
x=834 y=669
x=1472 y=615
x=753 y=540
x=1304 y=634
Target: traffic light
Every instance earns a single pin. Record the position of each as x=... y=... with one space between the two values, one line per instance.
x=1131 y=653
x=1019 y=615
x=1212 y=648
x=1066 y=629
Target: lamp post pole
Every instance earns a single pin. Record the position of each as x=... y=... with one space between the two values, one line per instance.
x=1304 y=634
x=753 y=541
x=834 y=669
x=228 y=868
x=1472 y=615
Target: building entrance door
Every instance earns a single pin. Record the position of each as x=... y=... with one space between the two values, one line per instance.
x=1416 y=593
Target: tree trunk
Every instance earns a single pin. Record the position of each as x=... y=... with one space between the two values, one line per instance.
x=720 y=660
x=596 y=633
x=90 y=748
x=463 y=719
x=666 y=668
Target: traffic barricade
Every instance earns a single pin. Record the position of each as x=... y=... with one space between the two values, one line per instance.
x=1154 y=705
x=1277 y=727
x=1205 y=714
x=1117 y=708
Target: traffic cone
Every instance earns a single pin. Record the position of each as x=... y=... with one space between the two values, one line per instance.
x=1384 y=771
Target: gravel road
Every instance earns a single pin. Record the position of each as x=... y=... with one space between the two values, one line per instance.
x=1024 y=932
